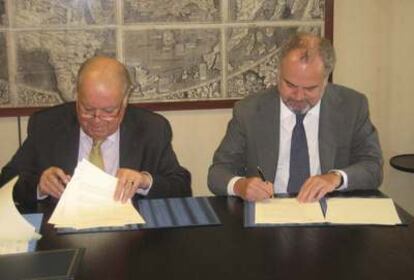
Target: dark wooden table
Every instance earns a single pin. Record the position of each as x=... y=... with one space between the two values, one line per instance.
x=231 y=251
x=403 y=162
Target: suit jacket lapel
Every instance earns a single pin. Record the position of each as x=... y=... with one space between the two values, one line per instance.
x=329 y=121
x=67 y=142
x=267 y=130
x=129 y=140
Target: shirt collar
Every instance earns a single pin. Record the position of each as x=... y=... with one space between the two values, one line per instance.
x=110 y=139
x=285 y=112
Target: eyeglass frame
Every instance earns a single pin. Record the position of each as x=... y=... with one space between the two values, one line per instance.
x=109 y=117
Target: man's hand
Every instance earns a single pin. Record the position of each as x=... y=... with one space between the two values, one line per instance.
x=128 y=182
x=52 y=182
x=253 y=189
x=318 y=186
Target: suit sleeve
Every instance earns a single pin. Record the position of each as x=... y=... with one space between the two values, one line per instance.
x=366 y=162
x=23 y=164
x=229 y=160
x=170 y=179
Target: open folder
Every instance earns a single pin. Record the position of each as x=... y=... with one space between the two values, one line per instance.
x=372 y=211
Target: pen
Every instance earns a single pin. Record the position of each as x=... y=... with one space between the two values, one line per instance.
x=324 y=206
x=261 y=174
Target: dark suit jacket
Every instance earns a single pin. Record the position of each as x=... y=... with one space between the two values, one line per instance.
x=53 y=140
x=347 y=140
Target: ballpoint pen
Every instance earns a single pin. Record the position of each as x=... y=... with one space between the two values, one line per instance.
x=261 y=174
x=324 y=206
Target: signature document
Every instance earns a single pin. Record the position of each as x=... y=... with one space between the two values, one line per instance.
x=16 y=232
x=87 y=201
x=372 y=211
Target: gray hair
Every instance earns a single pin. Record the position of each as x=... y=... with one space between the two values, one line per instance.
x=311 y=45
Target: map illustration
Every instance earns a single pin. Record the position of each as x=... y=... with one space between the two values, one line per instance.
x=49 y=61
x=171 y=11
x=3 y=19
x=4 y=75
x=174 y=64
x=58 y=12
x=175 y=50
x=249 y=10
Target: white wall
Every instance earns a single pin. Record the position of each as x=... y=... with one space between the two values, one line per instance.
x=374 y=43
x=196 y=136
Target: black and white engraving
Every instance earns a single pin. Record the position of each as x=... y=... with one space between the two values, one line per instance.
x=171 y=11
x=252 y=57
x=30 y=13
x=3 y=19
x=259 y=10
x=174 y=64
x=4 y=75
x=48 y=62
x=175 y=50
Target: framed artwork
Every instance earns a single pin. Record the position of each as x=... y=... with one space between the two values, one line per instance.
x=181 y=54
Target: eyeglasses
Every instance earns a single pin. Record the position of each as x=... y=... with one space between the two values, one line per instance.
x=104 y=114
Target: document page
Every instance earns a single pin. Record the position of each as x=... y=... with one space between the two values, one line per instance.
x=87 y=202
x=287 y=211
x=376 y=211
x=15 y=232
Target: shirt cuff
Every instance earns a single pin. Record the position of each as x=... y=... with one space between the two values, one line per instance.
x=39 y=196
x=344 y=186
x=230 y=185
x=145 y=192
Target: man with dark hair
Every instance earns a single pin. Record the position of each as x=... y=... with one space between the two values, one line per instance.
x=130 y=143
x=306 y=137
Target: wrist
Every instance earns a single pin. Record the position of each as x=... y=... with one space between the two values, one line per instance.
x=147 y=180
x=238 y=187
x=340 y=181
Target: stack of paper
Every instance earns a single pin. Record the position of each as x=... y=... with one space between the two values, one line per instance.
x=87 y=201
x=372 y=211
x=15 y=232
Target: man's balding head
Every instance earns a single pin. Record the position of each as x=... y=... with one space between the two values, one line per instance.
x=102 y=92
x=311 y=47
x=105 y=69
x=305 y=62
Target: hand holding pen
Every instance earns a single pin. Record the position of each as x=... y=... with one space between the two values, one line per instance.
x=261 y=174
x=253 y=188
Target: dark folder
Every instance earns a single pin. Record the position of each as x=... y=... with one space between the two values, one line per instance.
x=45 y=265
x=165 y=213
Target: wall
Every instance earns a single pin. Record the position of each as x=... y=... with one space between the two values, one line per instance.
x=374 y=43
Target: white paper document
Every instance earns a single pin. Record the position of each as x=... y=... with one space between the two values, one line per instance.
x=15 y=231
x=375 y=211
x=87 y=201
x=287 y=210
x=372 y=211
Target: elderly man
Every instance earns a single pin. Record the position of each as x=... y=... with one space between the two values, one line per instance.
x=305 y=137
x=129 y=143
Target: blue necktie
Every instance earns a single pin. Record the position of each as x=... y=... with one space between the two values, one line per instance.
x=299 y=169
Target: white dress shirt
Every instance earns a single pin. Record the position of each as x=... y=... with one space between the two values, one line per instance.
x=287 y=123
x=109 y=150
x=110 y=155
